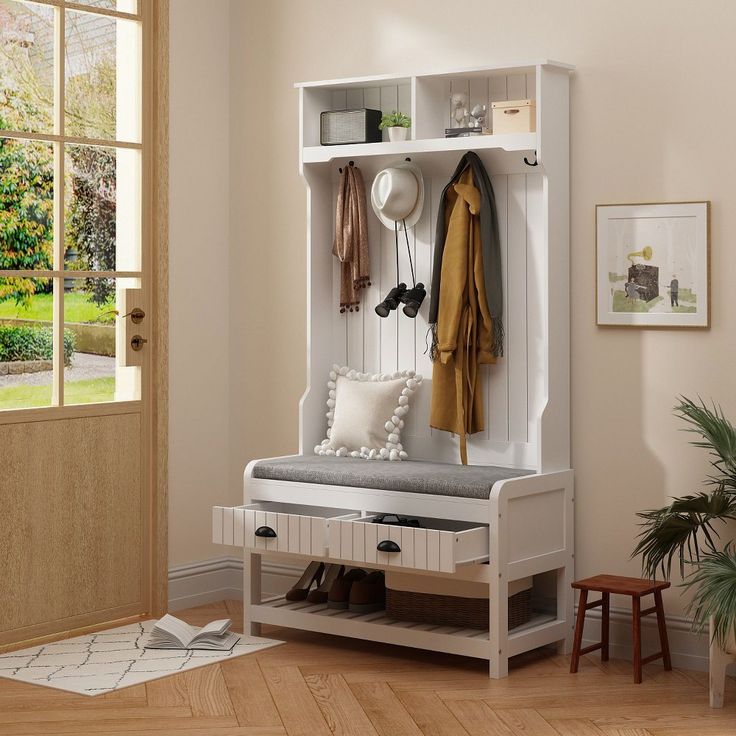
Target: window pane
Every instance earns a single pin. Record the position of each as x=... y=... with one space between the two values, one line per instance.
x=90 y=208
x=103 y=77
x=26 y=205
x=95 y=375
x=26 y=66
x=26 y=343
x=88 y=303
x=122 y=6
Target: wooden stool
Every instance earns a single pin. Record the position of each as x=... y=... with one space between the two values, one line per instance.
x=636 y=588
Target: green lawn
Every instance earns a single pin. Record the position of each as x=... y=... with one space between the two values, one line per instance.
x=90 y=391
x=77 y=308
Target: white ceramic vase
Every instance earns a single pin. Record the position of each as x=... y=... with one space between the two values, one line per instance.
x=719 y=661
x=397 y=133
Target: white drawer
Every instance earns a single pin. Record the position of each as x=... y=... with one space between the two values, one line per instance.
x=276 y=527
x=441 y=545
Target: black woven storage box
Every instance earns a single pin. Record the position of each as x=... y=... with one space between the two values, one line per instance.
x=450 y=610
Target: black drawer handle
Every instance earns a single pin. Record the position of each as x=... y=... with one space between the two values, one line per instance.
x=265 y=531
x=388 y=546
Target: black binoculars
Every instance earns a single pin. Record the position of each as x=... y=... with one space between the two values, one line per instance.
x=411 y=299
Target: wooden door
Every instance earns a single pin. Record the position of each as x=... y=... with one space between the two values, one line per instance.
x=83 y=298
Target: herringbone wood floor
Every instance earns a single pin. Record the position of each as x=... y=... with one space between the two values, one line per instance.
x=318 y=685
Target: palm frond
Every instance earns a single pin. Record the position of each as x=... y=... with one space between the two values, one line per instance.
x=717 y=434
x=679 y=529
x=715 y=594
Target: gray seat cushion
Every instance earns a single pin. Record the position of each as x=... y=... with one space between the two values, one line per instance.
x=413 y=476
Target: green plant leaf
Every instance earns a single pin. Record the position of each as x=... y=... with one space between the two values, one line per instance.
x=679 y=529
x=714 y=583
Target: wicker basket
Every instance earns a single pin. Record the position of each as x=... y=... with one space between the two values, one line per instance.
x=449 y=610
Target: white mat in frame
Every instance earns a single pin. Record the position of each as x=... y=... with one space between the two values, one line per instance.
x=109 y=660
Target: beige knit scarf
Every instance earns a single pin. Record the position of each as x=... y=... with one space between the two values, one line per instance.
x=351 y=237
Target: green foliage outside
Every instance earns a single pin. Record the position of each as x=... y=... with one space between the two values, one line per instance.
x=26 y=211
x=32 y=343
x=89 y=391
x=77 y=308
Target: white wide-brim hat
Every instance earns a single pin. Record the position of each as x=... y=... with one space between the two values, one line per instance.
x=397 y=194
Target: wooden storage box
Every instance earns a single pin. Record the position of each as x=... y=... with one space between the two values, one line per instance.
x=514 y=116
x=443 y=602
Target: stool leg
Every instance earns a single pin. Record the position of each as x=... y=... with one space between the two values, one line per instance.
x=664 y=644
x=605 y=619
x=579 y=625
x=636 y=636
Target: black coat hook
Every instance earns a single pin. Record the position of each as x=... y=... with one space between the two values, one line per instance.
x=531 y=163
x=350 y=163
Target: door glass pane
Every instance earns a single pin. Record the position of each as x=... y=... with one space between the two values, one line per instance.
x=90 y=208
x=99 y=370
x=90 y=375
x=26 y=343
x=26 y=205
x=122 y=6
x=103 y=77
x=26 y=66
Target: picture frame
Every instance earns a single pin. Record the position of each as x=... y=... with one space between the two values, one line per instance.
x=653 y=265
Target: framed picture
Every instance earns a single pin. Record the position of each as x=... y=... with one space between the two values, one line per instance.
x=653 y=264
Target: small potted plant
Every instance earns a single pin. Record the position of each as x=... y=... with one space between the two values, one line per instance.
x=397 y=123
x=686 y=530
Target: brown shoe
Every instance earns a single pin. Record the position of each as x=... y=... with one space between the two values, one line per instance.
x=332 y=573
x=368 y=594
x=339 y=594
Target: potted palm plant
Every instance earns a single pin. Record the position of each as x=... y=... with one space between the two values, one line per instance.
x=687 y=529
x=397 y=124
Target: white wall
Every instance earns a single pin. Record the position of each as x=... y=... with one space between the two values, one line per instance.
x=237 y=334
x=199 y=249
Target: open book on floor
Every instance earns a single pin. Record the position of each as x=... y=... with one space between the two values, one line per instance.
x=173 y=633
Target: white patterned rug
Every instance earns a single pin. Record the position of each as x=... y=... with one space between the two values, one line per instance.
x=110 y=660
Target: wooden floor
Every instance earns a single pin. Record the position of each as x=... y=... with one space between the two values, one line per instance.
x=318 y=685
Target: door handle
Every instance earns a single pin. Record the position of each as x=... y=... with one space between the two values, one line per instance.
x=265 y=531
x=136 y=315
x=388 y=545
x=137 y=342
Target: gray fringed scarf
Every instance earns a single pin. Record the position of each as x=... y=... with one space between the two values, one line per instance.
x=491 y=252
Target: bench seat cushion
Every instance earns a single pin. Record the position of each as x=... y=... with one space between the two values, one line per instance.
x=413 y=476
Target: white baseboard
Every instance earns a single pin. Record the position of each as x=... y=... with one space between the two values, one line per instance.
x=220 y=578
x=198 y=583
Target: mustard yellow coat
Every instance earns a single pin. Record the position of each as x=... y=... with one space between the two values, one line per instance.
x=464 y=324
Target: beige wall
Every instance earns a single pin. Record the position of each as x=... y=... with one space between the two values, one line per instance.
x=199 y=250
x=647 y=73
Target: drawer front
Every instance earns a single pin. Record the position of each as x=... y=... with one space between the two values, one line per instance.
x=406 y=547
x=269 y=528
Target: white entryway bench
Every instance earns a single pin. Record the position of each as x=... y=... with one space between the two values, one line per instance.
x=509 y=515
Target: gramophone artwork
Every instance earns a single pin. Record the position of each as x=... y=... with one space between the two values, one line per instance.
x=653 y=265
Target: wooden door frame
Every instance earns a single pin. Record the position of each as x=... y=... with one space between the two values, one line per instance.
x=159 y=378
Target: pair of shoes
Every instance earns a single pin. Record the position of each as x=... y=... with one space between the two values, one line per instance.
x=358 y=591
x=411 y=299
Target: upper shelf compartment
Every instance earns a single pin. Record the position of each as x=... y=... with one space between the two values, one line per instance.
x=428 y=99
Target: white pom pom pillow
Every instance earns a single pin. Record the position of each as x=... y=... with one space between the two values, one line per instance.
x=365 y=413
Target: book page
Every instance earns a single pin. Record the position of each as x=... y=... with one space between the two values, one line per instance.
x=214 y=627
x=181 y=631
